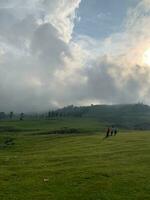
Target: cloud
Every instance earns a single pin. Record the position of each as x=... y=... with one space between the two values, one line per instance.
x=114 y=71
x=32 y=48
x=123 y=76
x=42 y=65
x=48 y=47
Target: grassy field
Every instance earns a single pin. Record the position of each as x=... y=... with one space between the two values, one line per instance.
x=36 y=165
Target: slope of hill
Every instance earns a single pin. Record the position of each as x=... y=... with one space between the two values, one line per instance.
x=135 y=116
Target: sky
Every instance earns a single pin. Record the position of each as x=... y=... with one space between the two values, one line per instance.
x=55 y=53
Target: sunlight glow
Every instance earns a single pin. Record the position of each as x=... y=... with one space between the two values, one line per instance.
x=146 y=57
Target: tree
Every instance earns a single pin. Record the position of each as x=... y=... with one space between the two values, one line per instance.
x=11 y=115
x=49 y=114
x=2 y=115
x=21 y=116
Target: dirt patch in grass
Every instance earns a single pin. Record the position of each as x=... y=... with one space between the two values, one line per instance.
x=64 y=130
x=6 y=142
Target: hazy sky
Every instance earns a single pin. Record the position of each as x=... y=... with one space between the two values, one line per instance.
x=60 y=52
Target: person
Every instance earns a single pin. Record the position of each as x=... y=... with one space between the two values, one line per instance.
x=112 y=130
x=115 y=131
x=108 y=131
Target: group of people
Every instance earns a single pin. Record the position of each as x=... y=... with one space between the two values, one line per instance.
x=111 y=131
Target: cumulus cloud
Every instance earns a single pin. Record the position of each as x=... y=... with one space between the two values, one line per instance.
x=32 y=47
x=117 y=73
x=42 y=65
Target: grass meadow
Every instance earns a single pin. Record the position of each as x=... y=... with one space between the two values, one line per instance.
x=36 y=164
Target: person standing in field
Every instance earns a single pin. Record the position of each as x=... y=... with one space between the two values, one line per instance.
x=108 y=131
x=112 y=130
x=115 y=131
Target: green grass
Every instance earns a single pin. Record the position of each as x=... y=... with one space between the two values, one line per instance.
x=75 y=167
x=85 y=124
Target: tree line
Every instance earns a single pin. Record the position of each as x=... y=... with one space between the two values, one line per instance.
x=69 y=111
x=11 y=116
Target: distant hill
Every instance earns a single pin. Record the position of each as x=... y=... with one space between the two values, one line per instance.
x=134 y=116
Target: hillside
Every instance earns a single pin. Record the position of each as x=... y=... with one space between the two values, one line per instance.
x=134 y=116
x=128 y=116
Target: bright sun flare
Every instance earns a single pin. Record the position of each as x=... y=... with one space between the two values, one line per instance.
x=146 y=57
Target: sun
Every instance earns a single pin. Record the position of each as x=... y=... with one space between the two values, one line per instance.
x=146 y=57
